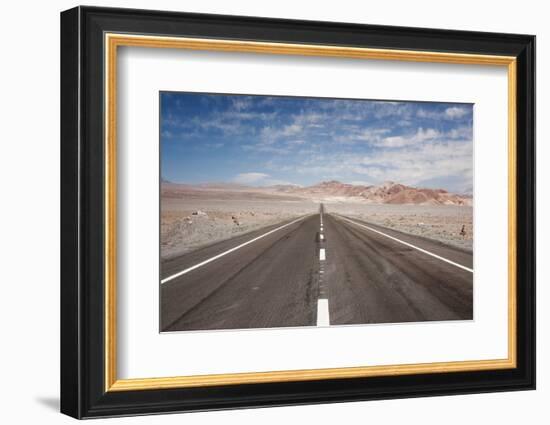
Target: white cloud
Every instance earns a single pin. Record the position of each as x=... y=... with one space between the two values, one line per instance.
x=372 y=133
x=455 y=112
x=250 y=178
x=300 y=125
x=420 y=136
x=295 y=142
x=395 y=142
x=451 y=113
x=267 y=148
x=167 y=134
x=240 y=103
x=291 y=129
x=310 y=118
x=416 y=164
x=259 y=179
x=464 y=133
x=275 y=182
x=220 y=123
x=360 y=183
x=353 y=134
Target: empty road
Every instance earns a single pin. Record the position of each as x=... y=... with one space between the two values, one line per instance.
x=318 y=270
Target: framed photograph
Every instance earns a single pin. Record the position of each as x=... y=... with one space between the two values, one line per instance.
x=261 y=212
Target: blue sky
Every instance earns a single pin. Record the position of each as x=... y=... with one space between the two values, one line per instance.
x=267 y=140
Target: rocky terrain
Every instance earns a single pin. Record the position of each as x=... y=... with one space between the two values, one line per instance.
x=450 y=224
x=193 y=216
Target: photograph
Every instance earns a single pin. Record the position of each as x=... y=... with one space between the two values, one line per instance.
x=283 y=210
x=279 y=211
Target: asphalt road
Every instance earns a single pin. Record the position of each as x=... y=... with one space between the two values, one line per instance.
x=304 y=273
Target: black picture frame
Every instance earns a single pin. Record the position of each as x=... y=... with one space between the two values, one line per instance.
x=83 y=392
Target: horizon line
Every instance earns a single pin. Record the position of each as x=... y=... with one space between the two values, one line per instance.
x=232 y=183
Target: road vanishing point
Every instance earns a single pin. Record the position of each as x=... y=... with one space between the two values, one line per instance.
x=321 y=269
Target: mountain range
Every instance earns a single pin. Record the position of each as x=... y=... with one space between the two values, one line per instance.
x=385 y=193
x=332 y=191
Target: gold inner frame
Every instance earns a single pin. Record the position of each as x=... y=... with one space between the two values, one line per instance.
x=113 y=41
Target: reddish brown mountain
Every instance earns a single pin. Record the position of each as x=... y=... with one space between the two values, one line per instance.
x=386 y=193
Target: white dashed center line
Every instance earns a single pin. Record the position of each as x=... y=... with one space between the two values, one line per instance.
x=323 y=318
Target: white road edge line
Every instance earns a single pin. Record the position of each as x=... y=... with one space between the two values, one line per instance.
x=196 y=266
x=323 y=317
x=322 y=254
x=460 y=266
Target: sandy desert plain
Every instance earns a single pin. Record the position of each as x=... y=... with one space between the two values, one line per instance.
x=193 y=216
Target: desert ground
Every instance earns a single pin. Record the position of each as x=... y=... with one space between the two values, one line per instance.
x=194 y=217
x=439 y=222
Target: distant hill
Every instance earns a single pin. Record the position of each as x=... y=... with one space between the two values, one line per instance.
x=385 y=193
x=333 y=190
